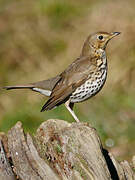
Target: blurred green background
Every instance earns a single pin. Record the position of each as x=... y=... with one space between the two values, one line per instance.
x=39 y=39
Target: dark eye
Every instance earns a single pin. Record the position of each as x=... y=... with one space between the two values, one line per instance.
x=100 y=37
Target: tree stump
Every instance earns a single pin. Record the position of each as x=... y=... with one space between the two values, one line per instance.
x=59 y=151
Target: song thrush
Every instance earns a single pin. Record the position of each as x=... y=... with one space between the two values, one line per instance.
x=81 y=80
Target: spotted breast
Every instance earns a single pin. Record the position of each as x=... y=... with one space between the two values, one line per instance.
x=94 y=83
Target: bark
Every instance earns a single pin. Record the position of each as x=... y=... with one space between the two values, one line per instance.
x=59 y=151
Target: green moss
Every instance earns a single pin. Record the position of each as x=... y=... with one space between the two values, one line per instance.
x=80 y=170
x=58 y=148
x=84 y=163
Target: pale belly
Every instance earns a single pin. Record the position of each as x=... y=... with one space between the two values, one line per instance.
x=89 y=88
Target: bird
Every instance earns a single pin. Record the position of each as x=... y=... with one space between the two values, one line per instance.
x=81 y=80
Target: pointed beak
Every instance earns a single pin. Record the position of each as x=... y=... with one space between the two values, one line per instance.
x=114 y=34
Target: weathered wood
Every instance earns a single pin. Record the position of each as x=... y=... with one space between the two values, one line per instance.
x=59 y=150
x=6 y=172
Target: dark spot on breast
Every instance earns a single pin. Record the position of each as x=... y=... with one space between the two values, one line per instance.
x=84 y=96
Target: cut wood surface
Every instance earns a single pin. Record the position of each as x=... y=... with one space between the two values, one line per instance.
x=59 y=151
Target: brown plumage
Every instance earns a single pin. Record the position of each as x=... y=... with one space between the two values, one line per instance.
x=74 y=76
x=45 y=84
x=81 y=80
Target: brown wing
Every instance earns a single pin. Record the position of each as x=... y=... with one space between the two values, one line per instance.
x=74 y=76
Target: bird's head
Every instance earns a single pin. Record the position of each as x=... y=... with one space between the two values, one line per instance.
x=97 y=40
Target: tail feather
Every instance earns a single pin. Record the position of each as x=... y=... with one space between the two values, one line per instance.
x=45 y=84
x=30 y=86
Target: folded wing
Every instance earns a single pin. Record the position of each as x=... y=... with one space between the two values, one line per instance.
x=74 y=76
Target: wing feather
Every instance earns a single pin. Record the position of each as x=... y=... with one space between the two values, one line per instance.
x=74 y=76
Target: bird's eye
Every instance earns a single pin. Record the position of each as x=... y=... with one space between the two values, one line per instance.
x=100 y=37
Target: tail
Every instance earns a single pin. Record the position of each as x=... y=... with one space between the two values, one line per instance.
x=44 y=87
x=29 y=86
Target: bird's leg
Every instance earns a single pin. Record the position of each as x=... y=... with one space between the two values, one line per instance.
x=69 y=106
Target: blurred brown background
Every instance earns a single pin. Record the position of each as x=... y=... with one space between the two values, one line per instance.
x=39 y=39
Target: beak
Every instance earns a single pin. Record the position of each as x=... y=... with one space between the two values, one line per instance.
x=114 y=34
